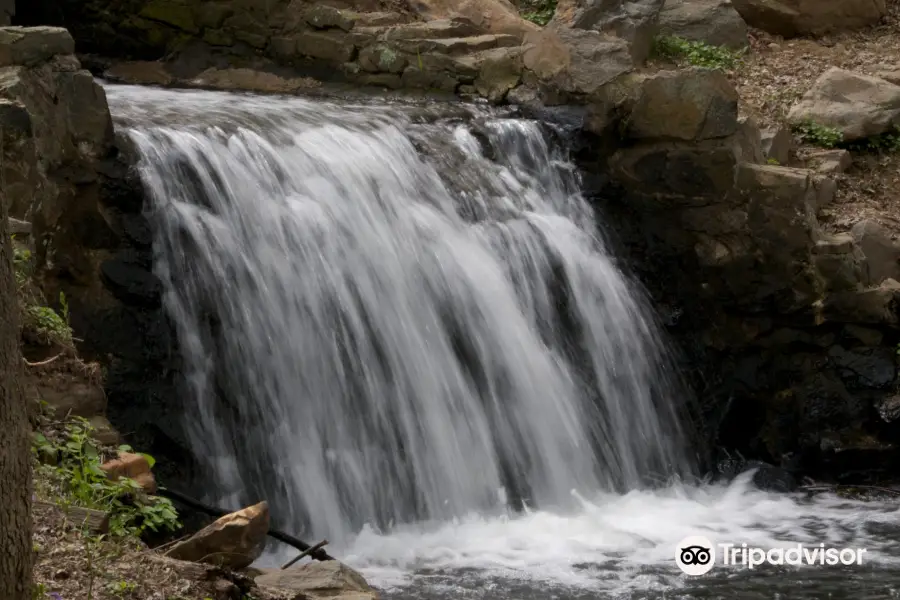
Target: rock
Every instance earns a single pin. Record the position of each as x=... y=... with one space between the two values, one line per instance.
x=171 y=12
x=29 y=46
x=866 y=335
x=392 y=81
x=501 y=71
x=765 y=476
x=891 y=75
x=841 y=243
x=829 y=161
x=132 y=466
x=457 y=46
x=694 y=104
x=791 y=18
x=104 y=432
x=864 y=367
x=575 y=61
x=750 y=141
x=882 y=253
x=233 y=541
x=432 y=30
x=872 y=306
x=415 y=78
x=777 y=144
x=840 y=271
x=327 y=579
x=382 y=58
x=327 y=17
x=715 y=22
x=143 y=72
x=889 y=409
x=252 y=81
x=635 y=21
x=860 y=106
x=18 y=228
x=826 y=188
x=492 y=16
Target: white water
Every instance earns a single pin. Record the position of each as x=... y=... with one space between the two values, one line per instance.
x=391 y=337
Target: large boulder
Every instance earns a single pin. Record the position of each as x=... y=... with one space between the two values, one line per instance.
x=635 y=21
x=715 y=22
x=234 y=541
x=29 y=46
x=804 y=17
x=329 y=579
x=694 y=104
x=574 y=62
x=860 y=106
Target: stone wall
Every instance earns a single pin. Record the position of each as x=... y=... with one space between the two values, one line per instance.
x=791 y=332
x=66 y=175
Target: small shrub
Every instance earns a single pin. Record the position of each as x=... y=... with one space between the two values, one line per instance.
x=697 y=54
x=47 y=325
x=70 y=473
x=539 y=12
x=819 y=135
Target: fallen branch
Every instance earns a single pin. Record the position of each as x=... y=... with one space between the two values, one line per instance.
x=836 y=486
x=218 y=512
x=43 y=362
x=318 y=546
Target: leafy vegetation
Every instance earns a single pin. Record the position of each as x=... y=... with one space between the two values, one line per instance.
x=538 y=11
x=69 y=474
x=819 y=135
x=886 y=143
x=40 y=322
x=697 y=54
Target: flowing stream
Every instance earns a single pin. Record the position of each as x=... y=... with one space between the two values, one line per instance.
x=401 y=326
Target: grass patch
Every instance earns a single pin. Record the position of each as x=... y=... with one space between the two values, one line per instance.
x=540 y=11
x=697 y=54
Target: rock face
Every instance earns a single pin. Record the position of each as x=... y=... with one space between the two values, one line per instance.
x=715 y=22
x=860 y=106
x=791 y=18
x=233 y=542
x=328 y=579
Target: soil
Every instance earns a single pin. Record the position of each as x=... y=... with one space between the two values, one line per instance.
x=74 y=566
x=777 y=72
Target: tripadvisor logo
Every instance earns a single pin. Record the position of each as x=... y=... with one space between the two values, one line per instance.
x=696 y=555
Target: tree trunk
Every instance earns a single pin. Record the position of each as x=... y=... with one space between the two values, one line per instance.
x=15 y=431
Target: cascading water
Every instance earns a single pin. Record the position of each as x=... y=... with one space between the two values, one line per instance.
x=398 y=321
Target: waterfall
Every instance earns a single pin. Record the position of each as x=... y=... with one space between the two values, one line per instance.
x=393 y=314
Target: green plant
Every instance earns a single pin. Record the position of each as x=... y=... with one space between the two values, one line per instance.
x=885 y=143
x=773 y=161
x=22 y=264
x=698 y=54
x=47 y=324
x=71 y=472
x=819 y=135
x=122 y=588
x=539 y=12
x=39 y=591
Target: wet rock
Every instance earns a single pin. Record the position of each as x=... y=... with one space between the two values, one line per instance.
x=694 y=104
x=864 y=367
x=882 y=253
x=765 y=476
x=328 y=579
x=29 y=46
x=140 y=72
x=889 y=409
x=457 y=46
x=437 y=29
x=715 y=22
x=251 y=80
x=501 y=71
x=634 y=21
x=860 y=106
x=791 y=18
x=233 y=541
x=131 y=281
x=132 y=466
x=777 y=144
